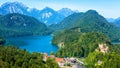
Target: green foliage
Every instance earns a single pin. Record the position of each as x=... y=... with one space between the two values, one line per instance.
x=66 y=36
x=51 y=63
x=52 y=53
x=100 y=60
x=115 y=48
x=77 y=44
x=21 y=25
x=90 y=21
x=11 y=57
x=90 y=41
x=84 y=46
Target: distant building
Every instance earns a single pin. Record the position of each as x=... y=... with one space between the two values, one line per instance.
x=103 y=48
x=45 y=56
x=60 y=61
x=61 y=44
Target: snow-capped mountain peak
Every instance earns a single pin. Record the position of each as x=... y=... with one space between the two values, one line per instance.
x=13 y=7
x=46 y=15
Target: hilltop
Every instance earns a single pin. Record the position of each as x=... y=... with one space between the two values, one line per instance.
x=90 y=21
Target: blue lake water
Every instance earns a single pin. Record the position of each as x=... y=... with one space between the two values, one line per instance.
x=34 y=43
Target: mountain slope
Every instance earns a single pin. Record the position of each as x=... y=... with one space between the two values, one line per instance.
x=17 y=24
x=77 y=44
x=90 y=21
x=34 y=13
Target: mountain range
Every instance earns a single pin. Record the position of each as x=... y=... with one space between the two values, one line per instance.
x=47 y=15
x=90 y=21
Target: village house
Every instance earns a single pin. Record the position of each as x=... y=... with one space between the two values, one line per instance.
x=60 y=61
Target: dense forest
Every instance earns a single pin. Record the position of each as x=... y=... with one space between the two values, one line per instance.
x=100 y=60
x=66 y=36
x=77 y=44
x=21 y=25
x=11 y=57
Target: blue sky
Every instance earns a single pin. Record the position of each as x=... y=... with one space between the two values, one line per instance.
x=107 y=8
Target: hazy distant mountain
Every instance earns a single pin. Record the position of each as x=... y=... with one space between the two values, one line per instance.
x=110 y=20
x=66 y=11
x=117 y=19
x=46 y=15
x=17 y=25
x=117 y=22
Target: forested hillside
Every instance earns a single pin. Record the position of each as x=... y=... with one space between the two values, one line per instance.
x=100 y=60
x=21 y=25
x=94 y=47
x=89 y=21
x=11 y=57
x=76 y=44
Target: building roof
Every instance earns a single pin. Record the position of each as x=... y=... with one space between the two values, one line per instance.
x=59 y=60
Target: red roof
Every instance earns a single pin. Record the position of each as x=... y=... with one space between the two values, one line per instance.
x=59 y=60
